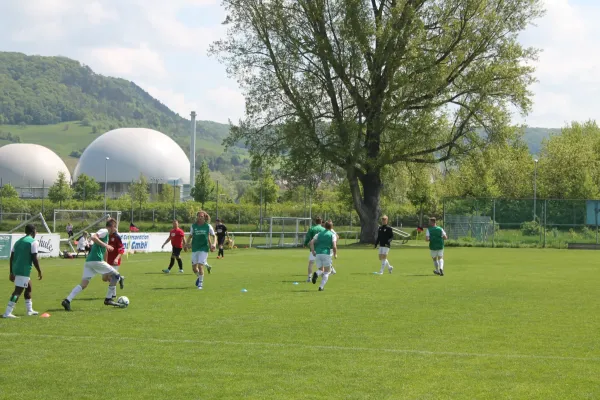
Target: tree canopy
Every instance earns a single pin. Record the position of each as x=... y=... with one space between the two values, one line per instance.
x=363 y=85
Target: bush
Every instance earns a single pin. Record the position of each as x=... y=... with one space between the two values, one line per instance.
x=531 y=228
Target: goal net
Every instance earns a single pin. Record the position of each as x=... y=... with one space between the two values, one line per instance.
x=82 y=220
x=286 y=232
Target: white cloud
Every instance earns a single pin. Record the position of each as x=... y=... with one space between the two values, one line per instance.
x=141 y=62
x=96 y=13
x=568 y=68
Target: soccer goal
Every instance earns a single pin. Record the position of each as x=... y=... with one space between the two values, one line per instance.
x=82 y=220
x=32 y=220
x=286 y=232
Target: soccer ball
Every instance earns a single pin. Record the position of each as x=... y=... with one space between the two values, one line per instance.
x=123 y=300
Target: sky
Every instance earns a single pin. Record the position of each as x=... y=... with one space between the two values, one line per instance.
x=161 y=45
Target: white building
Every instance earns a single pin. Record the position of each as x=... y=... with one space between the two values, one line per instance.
x=30 y=168
x=120 y=156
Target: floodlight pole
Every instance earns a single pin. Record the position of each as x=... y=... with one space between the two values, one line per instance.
x=105 y=181
x=217 y=203
x=535 y=188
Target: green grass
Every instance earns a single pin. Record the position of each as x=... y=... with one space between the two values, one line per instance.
x=502 y=323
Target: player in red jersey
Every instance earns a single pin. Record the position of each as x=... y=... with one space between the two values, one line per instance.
x=176 y=236
x=113 y=258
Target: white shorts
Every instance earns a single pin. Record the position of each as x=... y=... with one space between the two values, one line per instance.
x=199 y=257
x=311 y=257
x=323 y=260
x=22 y=281
x=93 y=268
x=384 y=250
x=436 y=253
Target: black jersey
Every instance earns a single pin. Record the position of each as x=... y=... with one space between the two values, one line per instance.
x=385 y=235
x=221 y=230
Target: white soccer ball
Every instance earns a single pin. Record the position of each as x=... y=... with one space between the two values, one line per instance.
x=123 y=300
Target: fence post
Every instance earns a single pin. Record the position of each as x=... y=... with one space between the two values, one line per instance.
x=596 y=209
x=545 y=219
x=494 y=223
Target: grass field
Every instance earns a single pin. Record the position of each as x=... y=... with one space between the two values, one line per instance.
x=502 y=324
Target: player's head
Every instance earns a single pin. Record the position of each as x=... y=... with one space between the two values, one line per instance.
x=318 y=221
x=30 y=230
x=111 y=225
x=432 y=221
x=384 y=220
x=218 y=220
x=328 y=225
x=175 y=224
x=202 y=217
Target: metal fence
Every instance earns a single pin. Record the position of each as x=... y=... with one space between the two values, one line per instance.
x=522 y=222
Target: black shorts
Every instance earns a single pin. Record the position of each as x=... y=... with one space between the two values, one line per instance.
x=176 y=251
x=221 y=240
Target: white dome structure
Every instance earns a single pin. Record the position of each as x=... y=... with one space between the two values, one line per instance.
x=26 y=165
x=133 y=152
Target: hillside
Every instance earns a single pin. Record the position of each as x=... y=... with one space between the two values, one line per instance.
x=61 y=104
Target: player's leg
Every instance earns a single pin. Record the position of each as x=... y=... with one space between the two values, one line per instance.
x=14 y=297
x=203 y=256
x=441 y=261
x=88 y=274
x=28 y=301
x=333 y=272
x=171 y=263
x=435 y=262
x=311 y=261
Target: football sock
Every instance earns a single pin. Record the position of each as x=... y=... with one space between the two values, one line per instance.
x=319 y=272
x=74 y=292
x=171 y=263
x=111 y=292
x=441 y=262
x=198 y=274
x=11 y=305
x=436 y=265
x=387 y=263
x=324 y=280
x=28 y=305
x=382 y=265
x=180 y=263
x=201 y=280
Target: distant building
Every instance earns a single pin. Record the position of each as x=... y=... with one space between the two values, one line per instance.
x=30 y=168
x=131 y=152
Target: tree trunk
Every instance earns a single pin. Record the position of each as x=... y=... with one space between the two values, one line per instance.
x=366 y=203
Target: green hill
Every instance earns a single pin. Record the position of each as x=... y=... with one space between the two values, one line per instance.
x=61 y=104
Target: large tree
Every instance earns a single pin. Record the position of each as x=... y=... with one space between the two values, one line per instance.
x=86 y=188
x=365 y=84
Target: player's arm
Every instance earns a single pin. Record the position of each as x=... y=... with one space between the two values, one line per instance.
x=427 y=238
x=211 y=233
x=378 y=240
x=10 y=273
x=444 y=235
x=189 y=239
x=312 y=245
x=166 y=241
x=34 y=258
x=335 y=247
x=96 y=239
x=307 y=237
x=120 y=251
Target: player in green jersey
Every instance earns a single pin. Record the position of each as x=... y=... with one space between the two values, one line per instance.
x=321 y=246
x=435 y=235
x=22 y=257
x=310 y=234
x=95 y=263
x=201 y=233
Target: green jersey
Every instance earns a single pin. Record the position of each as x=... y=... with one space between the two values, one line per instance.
x=23 y=252
x=324 y=242
x=97 y=252
x=436 y=238
x=314 y=230
x=200 y=235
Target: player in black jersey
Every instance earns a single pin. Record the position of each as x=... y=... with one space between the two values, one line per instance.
x=221 y=231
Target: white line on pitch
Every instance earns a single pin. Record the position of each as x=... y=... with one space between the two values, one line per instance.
x=305 y=346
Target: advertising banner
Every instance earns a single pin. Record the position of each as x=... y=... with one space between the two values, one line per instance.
x=48 y=244
x=5 y=246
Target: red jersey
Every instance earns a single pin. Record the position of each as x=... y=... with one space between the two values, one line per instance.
x=118 y=248
x=177 y=236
